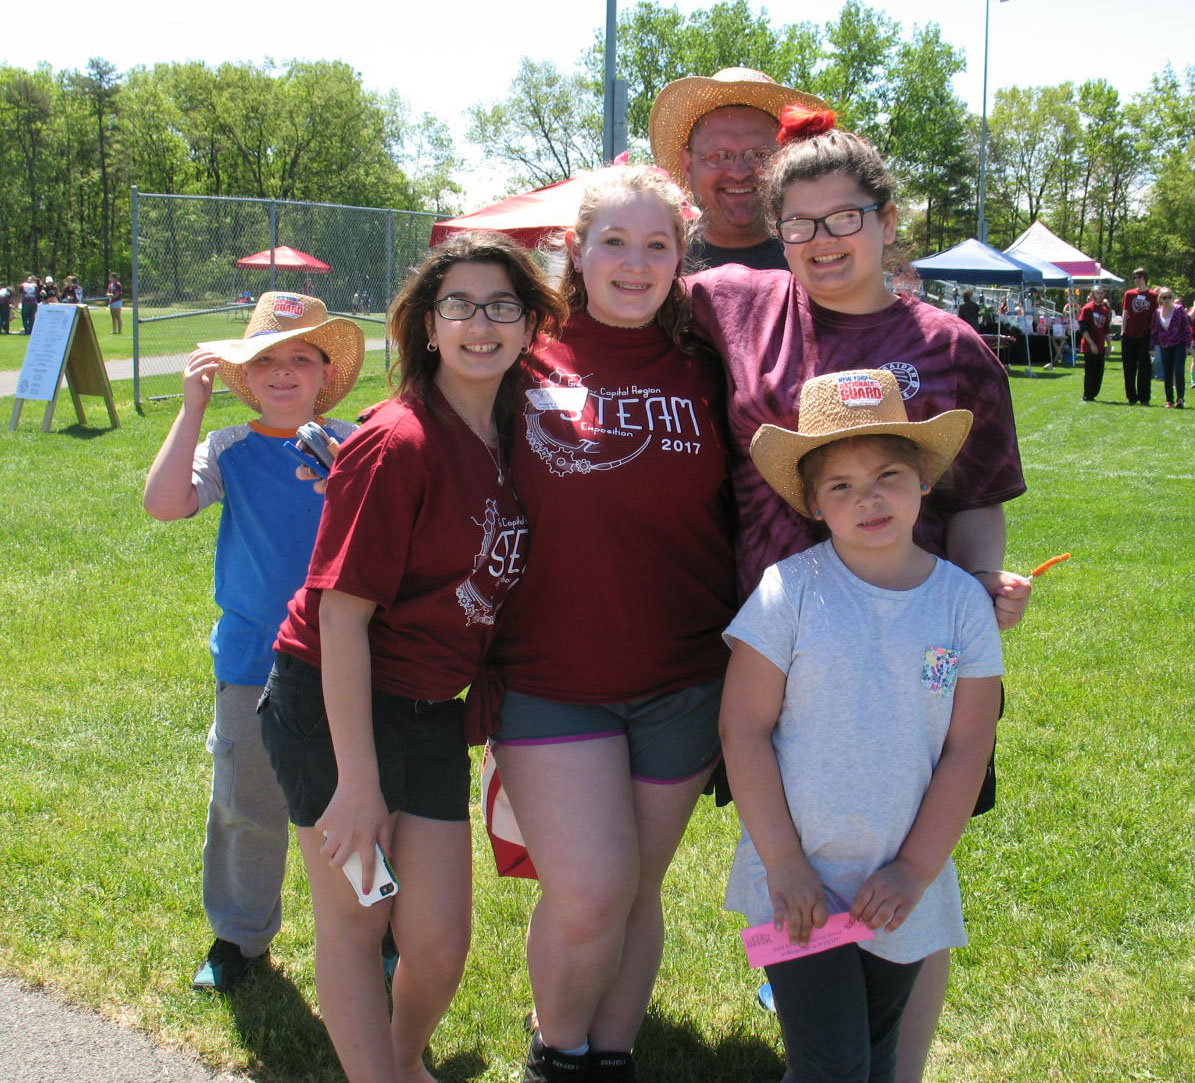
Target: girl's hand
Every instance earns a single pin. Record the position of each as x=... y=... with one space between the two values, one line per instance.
x=1010 y=595
x=797 y=896
x=305 y=473
x=888 y=896
x=353 y=821
x=198 y=374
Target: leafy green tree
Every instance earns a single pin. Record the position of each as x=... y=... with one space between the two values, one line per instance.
x=547 y=128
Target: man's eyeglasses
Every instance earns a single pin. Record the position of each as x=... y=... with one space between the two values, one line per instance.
x=754 y=158
x=838 y=224
x=461 y=308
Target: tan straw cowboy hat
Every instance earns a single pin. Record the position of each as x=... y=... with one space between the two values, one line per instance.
x=683 y=102
x=280 y=317
x=862 y=402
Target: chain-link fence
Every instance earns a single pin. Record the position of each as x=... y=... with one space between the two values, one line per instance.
x=194 y=279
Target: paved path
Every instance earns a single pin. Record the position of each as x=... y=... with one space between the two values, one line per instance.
x=43 y=1041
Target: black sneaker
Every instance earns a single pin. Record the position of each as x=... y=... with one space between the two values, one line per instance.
x=548 y=1065
x=223 y=967
x=611 y=1068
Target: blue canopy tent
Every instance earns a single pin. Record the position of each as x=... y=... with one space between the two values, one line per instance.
x=977 y=264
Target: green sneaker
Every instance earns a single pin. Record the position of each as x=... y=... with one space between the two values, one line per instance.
x=223 y=967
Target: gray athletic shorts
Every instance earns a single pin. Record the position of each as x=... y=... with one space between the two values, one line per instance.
x=671 y=737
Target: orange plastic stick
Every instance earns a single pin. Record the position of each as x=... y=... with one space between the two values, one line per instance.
x=1048 y=565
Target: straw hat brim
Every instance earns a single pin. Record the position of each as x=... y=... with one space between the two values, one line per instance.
x=341 y=340
x=776 y=451
x=685 y=101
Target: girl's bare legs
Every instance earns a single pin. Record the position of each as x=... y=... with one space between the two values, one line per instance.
x=661 y=815
x=595 y=939
x=431 y=920
x=348 y=970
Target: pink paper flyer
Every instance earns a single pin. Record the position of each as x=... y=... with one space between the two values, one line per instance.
x=766 y=944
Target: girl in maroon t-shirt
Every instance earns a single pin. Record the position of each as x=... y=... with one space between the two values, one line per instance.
x=420 y=540
x=610 y=651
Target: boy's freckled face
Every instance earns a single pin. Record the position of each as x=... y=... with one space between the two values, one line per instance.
x=289 y=376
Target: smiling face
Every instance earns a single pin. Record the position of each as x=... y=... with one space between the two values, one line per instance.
x=845 y=274
x=286 y=380
x=628 y=257
x=868 y=492
x=729 y=198
x=475 y=353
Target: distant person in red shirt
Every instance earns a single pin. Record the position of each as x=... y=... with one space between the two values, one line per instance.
x=1137 y=316
x=115 y=301
x=1093 y=326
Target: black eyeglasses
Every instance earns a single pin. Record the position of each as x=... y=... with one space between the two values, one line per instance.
x=461 y=308
x=755 y=158
x=838 y=224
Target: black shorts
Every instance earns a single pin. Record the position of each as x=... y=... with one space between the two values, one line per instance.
x=423 y=760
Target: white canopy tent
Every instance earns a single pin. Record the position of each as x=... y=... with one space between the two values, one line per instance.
x=1038 y=241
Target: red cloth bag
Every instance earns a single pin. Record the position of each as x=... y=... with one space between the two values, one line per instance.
x=506 y=839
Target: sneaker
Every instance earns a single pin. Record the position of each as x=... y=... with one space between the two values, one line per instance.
x=1178 y=405
x=1087 y=400
x=611 y=1068
x=389 y=954
x=223 y=967
x=548 y=1065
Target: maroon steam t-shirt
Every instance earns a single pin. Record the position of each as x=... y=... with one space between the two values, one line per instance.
x=773 y=338
x=1094 y=319
x=620 y=462
x=1137 y=315
x=416 y=521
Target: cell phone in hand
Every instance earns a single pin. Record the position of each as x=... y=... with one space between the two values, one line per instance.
x=385 y=883
x=316 y=438
x=297 y=452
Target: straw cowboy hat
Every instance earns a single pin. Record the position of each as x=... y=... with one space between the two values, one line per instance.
x=685 y=101
x=280 y=317
x=862 y=402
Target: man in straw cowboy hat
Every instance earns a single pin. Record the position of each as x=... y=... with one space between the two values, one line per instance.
x=714 y=135
x=858 y=715
x=293 y=364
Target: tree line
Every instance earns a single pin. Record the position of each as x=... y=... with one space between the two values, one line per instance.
x=72 y=143
x=1114 y=177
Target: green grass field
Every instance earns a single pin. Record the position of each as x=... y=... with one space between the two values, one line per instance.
x=1079 y=888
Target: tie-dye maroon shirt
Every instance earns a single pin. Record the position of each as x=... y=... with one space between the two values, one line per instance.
x=773 y=338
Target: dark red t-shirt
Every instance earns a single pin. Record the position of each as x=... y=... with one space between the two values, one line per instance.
x=1094 y=320
x=416 y=521
x=1136 y=317
x=620 y=462
x=773 y=338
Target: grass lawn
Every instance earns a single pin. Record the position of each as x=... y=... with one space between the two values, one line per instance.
x=1079 y=888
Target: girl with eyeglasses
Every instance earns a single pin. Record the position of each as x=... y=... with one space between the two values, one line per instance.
x=1170 y=333
x=830 y=199
x=420 y=541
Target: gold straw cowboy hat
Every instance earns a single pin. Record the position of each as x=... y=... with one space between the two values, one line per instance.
x=280 y=317
x=861 y=402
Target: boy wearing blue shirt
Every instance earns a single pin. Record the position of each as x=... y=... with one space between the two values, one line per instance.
x=292 y=365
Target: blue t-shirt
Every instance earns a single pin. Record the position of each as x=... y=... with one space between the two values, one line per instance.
x=267 y=531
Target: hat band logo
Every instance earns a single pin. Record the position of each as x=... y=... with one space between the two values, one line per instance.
x=291 y=307
x=860 y=391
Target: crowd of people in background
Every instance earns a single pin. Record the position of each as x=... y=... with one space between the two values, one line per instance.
x=32 y=293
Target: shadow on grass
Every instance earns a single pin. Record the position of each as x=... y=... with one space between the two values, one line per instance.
x=85 y=432
x=277 y=1027
x=460 y=1067
x=674 y=1050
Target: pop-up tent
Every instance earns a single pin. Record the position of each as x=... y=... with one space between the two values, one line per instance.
x=285 y=259
x=528 y=217
x=1038 y=241
x=977 y=264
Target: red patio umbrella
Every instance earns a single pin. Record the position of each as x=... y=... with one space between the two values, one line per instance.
x=286 y=259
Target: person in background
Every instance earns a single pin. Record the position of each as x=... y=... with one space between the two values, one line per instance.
x=1094 y=318
x=49 y=291
x=1136 y=317
x=292 y=365
x=714 y=136
x=968 y=311
x=31 y=293
x=72 y=292
x=115 y=301
x=6 y=296
x=1170 y=334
